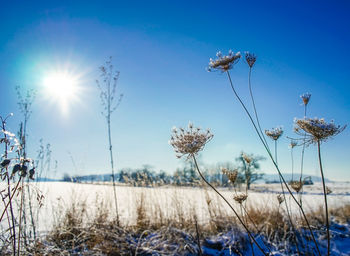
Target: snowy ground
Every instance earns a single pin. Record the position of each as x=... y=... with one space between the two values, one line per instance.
x=170 y=200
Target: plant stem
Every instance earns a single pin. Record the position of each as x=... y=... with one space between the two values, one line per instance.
x=227 y=202
x=253 y=101
x=20 y=221
x=325 y=197
x=2 y=215
x=274 y=163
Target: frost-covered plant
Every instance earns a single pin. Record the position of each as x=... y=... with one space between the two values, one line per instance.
x=21 y=168
x=188 y=143
x=225 y=63
x=274 y=133
x=317 y=130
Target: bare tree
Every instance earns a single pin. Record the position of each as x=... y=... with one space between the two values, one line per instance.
x=249 y=166
x=108 y=91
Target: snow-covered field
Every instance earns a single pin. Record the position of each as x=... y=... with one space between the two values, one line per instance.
x=169 y=201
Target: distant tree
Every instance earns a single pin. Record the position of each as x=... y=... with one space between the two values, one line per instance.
x=66 y=177
x=248 y=167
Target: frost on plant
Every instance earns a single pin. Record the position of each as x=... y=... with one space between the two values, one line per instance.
x=224 y=62
x=189 y=142
x=250 y=59
x=274 y=133
x=317 y=129
x=306 y=98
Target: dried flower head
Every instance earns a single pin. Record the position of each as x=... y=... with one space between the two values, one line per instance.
x=274 y=133
x=280 y=198
x=306 y=98
x=296 y=185
x=293 y=144
x=231 y=175
x=247 y=158
x=240 y=198
x=317 y=129
x=250 y=58
x=224 y=63
x=328 y=190
x=189 y=142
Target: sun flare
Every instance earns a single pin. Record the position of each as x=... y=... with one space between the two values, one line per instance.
x=62 y=88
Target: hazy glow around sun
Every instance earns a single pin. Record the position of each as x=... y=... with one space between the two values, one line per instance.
x=62 y=88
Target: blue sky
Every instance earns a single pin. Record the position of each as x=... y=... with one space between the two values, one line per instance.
x=162 y=50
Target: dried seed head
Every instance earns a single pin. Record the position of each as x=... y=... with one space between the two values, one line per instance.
x=224 y=63
x=297 y=185
x=293 y=143
x=189 y=142
x=240 y=198
x=250 y=58
x=328 y=190
x=280 y=198
x=247 y=158
x=317 y=129
x=274 y=133
x=231 y=175
x=306 y=98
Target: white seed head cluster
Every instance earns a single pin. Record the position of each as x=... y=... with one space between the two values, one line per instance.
x=274 y=133
x=224 y=62
x=316 y=129
x=306 y=98
x=250 y=58
x=189 y=142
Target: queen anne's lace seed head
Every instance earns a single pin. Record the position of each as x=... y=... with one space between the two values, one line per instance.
x=316 y=129
x=231 y=175
x=274 y=133
x=224 y=62
x=297 y=185
x=306 y=98
x=250 y=58
x=189 y=142
x=240 y=198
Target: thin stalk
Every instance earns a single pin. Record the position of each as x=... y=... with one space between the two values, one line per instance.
x=112 y=165
x=227 y=202
x=9 y=203
x=3 y=123
x=274 y=163
x=20 y=221
x=325 y=197
x=253 y=101
x=292 y=156
x=303 y=150
x=200 y=253
x=246 y=222
x=9 y=223
x=285 y=202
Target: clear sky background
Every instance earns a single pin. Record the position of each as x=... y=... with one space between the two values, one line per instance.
x=162 y=49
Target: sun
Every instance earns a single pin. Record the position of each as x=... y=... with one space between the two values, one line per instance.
x=62 y=88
